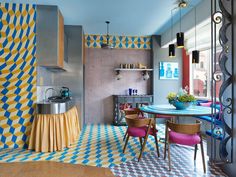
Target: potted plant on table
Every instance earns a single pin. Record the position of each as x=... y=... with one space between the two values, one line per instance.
x=182 y=99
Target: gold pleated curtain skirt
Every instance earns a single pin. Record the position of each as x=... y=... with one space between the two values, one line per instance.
x=53 y=132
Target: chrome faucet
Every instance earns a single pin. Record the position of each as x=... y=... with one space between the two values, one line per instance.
x=46 y=91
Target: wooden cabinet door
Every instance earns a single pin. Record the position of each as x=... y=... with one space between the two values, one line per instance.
x=60 y=39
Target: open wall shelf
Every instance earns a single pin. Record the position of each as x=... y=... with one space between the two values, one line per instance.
x=134 y=69
x=144 y=72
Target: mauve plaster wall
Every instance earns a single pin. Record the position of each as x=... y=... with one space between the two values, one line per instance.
x=100 y=82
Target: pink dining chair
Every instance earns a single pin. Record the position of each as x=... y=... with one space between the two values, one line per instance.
x=141 y=128
x=184 y=134
x=132 y=111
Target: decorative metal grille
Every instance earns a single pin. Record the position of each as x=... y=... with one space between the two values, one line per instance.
x=222 y=11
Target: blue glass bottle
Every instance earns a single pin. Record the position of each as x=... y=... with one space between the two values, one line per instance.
x=176 y=73
x=168 y=71
x=162 y=72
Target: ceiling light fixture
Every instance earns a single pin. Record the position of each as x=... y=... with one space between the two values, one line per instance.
x=195 y=53
x=172 y=45
x=180 y=35
x=183 y=4
x=107 y=45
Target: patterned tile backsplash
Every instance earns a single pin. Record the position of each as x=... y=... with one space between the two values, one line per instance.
x=119 y=42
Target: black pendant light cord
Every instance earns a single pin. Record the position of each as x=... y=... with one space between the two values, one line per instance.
x=195 y=53
x=107 y=22
x=180 y=19
x=195 y=28
x=172 y=25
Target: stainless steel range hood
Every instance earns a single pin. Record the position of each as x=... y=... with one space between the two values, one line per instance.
x=58 y=69
x=50 y=38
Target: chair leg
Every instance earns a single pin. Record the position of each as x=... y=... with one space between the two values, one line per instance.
x=143 y=147
x=169 y=155
x=165 y=151
x=165 y=143
x=126 y=141
x=141 y=142
x=157 y=147
x=125 y=135
x=195 y=152
x=203 y=158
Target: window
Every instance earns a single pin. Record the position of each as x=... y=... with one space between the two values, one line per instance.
x=200 y=76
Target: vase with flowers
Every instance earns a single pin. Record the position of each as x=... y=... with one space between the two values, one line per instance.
x=181 y=100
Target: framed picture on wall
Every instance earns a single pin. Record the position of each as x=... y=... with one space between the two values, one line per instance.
x=169 y=70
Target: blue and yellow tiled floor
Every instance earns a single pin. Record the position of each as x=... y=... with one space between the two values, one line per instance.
x=98 y=145
x=102 y=145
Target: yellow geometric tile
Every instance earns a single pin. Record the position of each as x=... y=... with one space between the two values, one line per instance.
x=7 y=134
x=5 y=126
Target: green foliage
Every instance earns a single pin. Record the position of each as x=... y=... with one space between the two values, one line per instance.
x=181 y=96
x=186 y=98
x=171 y=96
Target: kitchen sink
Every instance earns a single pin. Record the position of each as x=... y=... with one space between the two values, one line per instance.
x=54 y=106
x=58 y=101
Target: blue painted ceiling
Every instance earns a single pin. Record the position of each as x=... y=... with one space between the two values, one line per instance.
x=127 y=17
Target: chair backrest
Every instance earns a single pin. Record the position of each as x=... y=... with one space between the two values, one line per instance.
x=135 y=121
x=130 y=111
x=185 y=128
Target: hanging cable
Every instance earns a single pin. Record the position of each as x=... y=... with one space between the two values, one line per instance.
x=180 y=35
x=172 y=45
x=195 y=28
x=172 y=25
x=107 y=22
x=195 y=53
x=180 y=20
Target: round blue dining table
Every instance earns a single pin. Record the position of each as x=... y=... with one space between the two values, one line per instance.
x=168 y=109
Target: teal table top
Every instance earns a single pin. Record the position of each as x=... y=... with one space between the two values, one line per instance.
x=171 y=110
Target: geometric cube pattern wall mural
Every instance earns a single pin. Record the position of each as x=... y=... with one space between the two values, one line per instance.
x=119 y=42
x=17 y=73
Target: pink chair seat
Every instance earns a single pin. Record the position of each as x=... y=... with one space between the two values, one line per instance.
x=140 y=131
x=184 y=139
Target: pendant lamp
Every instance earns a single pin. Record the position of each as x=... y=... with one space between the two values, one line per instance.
x=195 y=56
x=107 y=45
x=172 y=46
x=195 y=53
x=172 y=50
x=180 y=40
x=180 y=35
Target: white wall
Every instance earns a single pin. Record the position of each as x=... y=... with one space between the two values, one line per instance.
x=161 y=88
